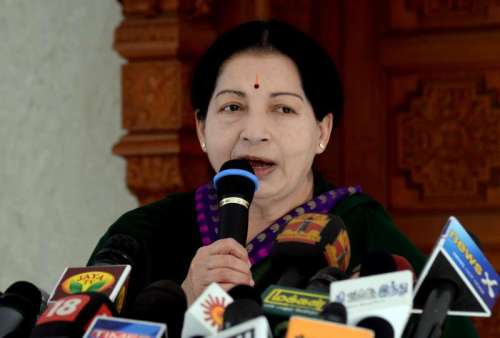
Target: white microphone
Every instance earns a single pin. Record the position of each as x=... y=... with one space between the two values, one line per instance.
x=388 y=296
x=206 y=315
x=254 y=328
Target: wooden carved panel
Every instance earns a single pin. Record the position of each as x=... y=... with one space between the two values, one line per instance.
x=151 y=95
x=446 y=142
x=437 y=14
x=152 y=177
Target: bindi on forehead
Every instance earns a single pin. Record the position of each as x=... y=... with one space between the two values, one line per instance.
x=256 y=84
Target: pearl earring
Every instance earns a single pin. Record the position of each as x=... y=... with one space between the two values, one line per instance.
x=203 y=146
x=322 y=146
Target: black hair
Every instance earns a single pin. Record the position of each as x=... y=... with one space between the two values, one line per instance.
x=319 y=76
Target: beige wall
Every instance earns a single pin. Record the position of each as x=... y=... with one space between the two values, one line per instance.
x=60 y=187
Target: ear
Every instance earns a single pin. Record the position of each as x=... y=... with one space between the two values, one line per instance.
x=200 y=132
x=325 y=130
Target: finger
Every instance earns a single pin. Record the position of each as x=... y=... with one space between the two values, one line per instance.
x=224 y=275
x=227 y=286
x=228 y=261
x=228 y=246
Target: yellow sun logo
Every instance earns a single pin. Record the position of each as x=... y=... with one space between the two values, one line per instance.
x=214 y=311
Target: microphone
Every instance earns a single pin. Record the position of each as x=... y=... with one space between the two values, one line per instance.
x=246 y=305
x=121 y=249
x=110 y=327
x=334 y=312
x=387 y=295
x=235 y=184
x=205 y=316
x=323 y=278
x=257 y=327
x=240 y=311
x=308 y=243
x=163 y=302
x=379 y=262
x=311 y=327
x=381 y=327
x=110 y=280
x=456 y=280
x=70 y=316
x=19 y=307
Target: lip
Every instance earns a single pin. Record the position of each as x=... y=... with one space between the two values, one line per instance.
x=259 y=171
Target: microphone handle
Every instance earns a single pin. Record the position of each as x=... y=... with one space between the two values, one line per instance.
x=435 y=309
x=233 y=220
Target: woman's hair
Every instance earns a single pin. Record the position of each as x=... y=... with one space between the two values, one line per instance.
x=320 y=80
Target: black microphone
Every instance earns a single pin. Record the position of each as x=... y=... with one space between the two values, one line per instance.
x=164 y=302
x=121 y=249
x=308 y=243
x=69 y=317
x=334 y=312
x=379 y=261
x=323 y=278
x=235 y=183
x=19 y=307
x=456 y=280
x=247 y=305
x=381 y=327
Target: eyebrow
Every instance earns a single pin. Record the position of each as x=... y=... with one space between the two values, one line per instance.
x=242 y=94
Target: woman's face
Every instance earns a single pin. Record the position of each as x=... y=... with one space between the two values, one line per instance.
x=259 y=111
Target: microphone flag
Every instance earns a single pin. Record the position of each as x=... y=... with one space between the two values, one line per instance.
x=286 y=301
x=387 y=295
x=110 y=280
x=458 y=258
x=206 y=315
x=254 y=328
x=309 y=327
x=105 y=327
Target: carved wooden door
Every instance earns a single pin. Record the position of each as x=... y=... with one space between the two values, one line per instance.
x=421 y=131
x=422 y=124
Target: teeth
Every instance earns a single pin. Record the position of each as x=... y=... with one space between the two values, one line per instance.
x=259 y=164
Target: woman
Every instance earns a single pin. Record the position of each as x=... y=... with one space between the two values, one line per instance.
x=268 y=93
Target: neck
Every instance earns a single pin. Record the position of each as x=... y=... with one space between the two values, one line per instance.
x=264 y=211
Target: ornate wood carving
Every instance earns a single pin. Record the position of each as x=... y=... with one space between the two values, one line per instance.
x=151 y=96
x=447 y=143
x=159 y=38
x=436 y=14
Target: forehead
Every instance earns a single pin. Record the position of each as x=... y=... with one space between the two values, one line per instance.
x=272 y=71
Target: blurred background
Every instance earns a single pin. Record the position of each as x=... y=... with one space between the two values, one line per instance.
x=95 y=117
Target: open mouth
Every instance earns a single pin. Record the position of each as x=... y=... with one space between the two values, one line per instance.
x=259 y=165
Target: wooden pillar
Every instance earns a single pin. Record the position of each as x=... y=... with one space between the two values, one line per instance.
x=160 y=39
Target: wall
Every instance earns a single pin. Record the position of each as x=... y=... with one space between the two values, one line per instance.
x=60 y=187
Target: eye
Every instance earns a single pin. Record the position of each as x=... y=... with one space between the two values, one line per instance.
x=230 y=107
x=285 y=110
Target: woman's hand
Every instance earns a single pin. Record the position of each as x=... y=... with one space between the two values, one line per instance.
x=225 y=262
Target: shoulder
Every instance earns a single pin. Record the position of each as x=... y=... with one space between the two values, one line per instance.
x=175 y=206
x=171 y=217
x=371 y=228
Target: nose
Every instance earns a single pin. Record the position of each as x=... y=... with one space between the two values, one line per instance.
x=256 y=128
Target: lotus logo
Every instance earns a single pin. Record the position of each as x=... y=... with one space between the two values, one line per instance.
x=213 y=309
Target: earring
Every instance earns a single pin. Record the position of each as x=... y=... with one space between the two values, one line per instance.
x=322 y=146
x=203 y=146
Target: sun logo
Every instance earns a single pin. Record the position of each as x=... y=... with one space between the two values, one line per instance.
x=213 y=309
